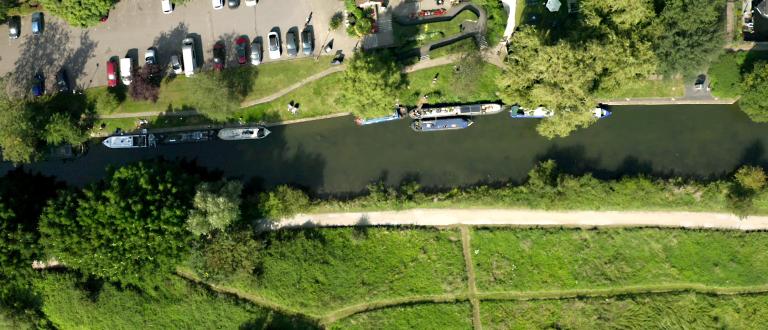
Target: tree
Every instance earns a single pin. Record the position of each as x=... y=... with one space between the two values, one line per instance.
x=688 y=34
x=282 y=202
x=18 y=138
x=146 y=84
x=106 y=102
x=128 y=229
x=212 y=96
x=4 y=6
x=754 y=100
x=751 y=177
x=336 y=20
x=216 y=206
x=369 y=85
x=230 y=253
x=60 y=129
x=79 y=13
x=616 y=15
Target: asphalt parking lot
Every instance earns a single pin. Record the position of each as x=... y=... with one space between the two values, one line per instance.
x=135 y=25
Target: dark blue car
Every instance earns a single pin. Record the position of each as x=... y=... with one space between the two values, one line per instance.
x=38 y=85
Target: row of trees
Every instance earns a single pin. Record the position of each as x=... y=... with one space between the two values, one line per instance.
x=612 y=42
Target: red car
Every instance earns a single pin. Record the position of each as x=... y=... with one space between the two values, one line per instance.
x=241 y=45
x=111 y=74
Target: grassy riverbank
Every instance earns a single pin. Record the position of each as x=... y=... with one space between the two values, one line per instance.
x=448 y=316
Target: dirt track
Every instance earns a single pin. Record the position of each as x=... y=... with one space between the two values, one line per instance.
x=500 y=217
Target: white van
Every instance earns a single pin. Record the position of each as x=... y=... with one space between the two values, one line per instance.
x=188 y=56
x=125 y=70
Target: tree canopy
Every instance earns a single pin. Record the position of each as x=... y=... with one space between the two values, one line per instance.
x=281 y=202
x=370 y=83
x=79 y=13
x=216 y=206
x=754 y=99
x=129 y=229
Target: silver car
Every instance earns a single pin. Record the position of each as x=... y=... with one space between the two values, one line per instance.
x=274 y=45
x=175 y=64
x=255 y=52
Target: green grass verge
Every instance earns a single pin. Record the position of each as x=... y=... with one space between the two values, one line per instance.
x=446 y=90
x=561 y=259
x=446 y=316
x=725 y=74
x=419 y=35
x=69 y=304
x=130 y=124
x=667 y=87
x=321 y=270
x=663 y=311
x=270 y=78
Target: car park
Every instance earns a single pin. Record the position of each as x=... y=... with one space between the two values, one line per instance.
x=14 y=27
x=166 y=6
x=149 y=56
x=233 y=3
x=255 y=52
x=62 y=83
x=188 y=56
x=250 y=3
x=37 y=23
x=38 y=84
x=175 y=64
x=291 y=47
x=219 y=55
x=241 y=48
x=126 y=70
x=217 y=4
x=307 y=41
x=274 y=45
x=111 y=74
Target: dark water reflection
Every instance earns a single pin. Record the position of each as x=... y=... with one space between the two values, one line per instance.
x=334 y=156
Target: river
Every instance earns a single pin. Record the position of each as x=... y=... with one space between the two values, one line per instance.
x=334 y=156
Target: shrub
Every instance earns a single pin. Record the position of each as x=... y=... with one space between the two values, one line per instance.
x=336 y=21
x=106 y=102
x=216 y=206
x=79 y=13
x=282 y=202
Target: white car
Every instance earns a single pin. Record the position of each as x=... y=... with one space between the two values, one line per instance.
x=217 y=4
x=250 y=3
x=274 y=45
x=175 y=64
x=149 y=56
x=167 y=6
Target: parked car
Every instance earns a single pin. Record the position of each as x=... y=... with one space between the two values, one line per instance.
x=188 y=56
x=217 y=4
x=307 y=41
x=149 y=56
x=219 y=55
x=699 y=84
x=241 y=47
x=175 y=64
x=291 y=47
x=38 y=84
x=166 y=6
x=126 y=70
x=62 y=83
x=255 y=52
x=111 y=74
x=14 y=27
x=274 y=45
x=37 y=23
x=233 y=3
x=250 y=3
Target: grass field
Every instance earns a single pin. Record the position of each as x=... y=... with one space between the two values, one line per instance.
x=667 y=87
x=446 y=316
x=318 y=271
x=556 y=259
x=419 y=83
x=667 y=311
x=177 y=305
x=408 y=36
x=270 y=78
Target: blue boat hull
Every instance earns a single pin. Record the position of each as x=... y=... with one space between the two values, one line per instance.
x=442 y=124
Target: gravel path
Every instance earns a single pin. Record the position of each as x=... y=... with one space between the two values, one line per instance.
x=450 y=217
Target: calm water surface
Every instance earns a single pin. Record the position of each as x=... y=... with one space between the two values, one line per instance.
x=335 y=156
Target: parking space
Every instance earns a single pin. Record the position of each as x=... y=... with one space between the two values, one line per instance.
x=135 y=25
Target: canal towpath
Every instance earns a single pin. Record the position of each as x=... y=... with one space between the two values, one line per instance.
x=523 y=217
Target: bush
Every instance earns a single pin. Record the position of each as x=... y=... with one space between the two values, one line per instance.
x=228 y=254
x=336 y=20
x=216 y=206
x=754 y=101
x=283 y=202
x=79 y=13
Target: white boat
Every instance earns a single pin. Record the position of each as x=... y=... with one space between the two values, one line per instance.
x=457 y=110
x=243 y=133
x=601 y=113
x=540 y=112
x=130 y=141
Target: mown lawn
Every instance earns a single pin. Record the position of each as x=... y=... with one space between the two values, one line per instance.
x=419 y=35
x=69 y=304
x=270 y=78
x=662 y=311
x=446 y=316
x=321 y=270
x=318 y=97
x=667 y=87
x=555 y=259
